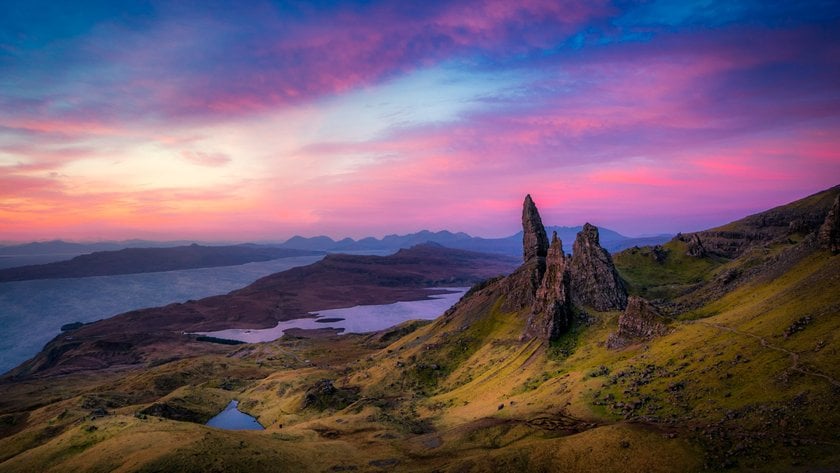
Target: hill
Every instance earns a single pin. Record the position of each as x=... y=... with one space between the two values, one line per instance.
x=663 y=359
x=149 y=260
x=42 y=252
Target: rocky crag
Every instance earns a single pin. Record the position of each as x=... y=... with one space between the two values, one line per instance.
x=550 y=283
x=552 y=310
x=733 y=239
x=829 y=233
x=640 y=321
x=595 y=282
x=534 y=239
x=522 y=285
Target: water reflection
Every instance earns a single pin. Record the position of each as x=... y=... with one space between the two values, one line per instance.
x=233 y=419
x=357 y=319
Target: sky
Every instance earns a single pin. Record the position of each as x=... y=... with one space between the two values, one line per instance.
x=259 y=120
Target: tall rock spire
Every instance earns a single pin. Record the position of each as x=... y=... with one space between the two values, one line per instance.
x=534 y=240
x=552 y=310
x=595 y=282
x=522 y=285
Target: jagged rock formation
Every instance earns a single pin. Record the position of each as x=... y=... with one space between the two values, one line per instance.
x=549 y=283
x=521 y=286
x=594 y=280
x=534 y=239
x=695 y=246
x=733 y=239
x=551 y=314
x=640 y=321
x=829 y=234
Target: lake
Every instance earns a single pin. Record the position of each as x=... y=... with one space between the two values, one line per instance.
x=233 y=419
x=32 y=312
x=357 y=319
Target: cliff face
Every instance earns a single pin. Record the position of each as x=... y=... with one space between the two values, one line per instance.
x=730 y=241
x=640 y=321
x=695 y=246
x=594 y=280
x=829 y=233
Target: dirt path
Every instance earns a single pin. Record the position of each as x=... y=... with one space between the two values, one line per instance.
x=763 y=341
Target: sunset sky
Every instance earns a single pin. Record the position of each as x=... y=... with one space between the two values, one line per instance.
x=260 y=120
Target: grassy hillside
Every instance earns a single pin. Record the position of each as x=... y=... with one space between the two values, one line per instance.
x=746 y=379
x=665 y=271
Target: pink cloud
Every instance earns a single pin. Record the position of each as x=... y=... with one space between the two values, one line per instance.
x=686 y=129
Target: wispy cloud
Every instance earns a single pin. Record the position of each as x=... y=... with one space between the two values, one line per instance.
x=375 y=117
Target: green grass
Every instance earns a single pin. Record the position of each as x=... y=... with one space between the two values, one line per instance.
x=430 y=400
x=670 y=277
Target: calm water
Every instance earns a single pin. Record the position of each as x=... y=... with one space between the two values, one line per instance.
x=357 y=319
x=233 y=419
x=32 y=312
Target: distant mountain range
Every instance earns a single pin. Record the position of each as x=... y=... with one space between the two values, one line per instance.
x=512 y=245
x=37 y=253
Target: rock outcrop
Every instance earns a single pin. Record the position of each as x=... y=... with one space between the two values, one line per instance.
x=694 y=244
x=550 y=283
x=552 y=310
x=640 y=321
x=594 y=280
x=829 y=233
x=534 y=239
x=324 y=395
x=521 y=286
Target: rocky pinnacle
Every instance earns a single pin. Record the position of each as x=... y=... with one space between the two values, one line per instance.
x=552 y=309
x=534 y=240
x=595 y=282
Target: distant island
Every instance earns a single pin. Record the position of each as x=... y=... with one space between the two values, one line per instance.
x=149 y=260
x=41 y=253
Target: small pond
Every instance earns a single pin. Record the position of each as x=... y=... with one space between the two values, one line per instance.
x=233 y=419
